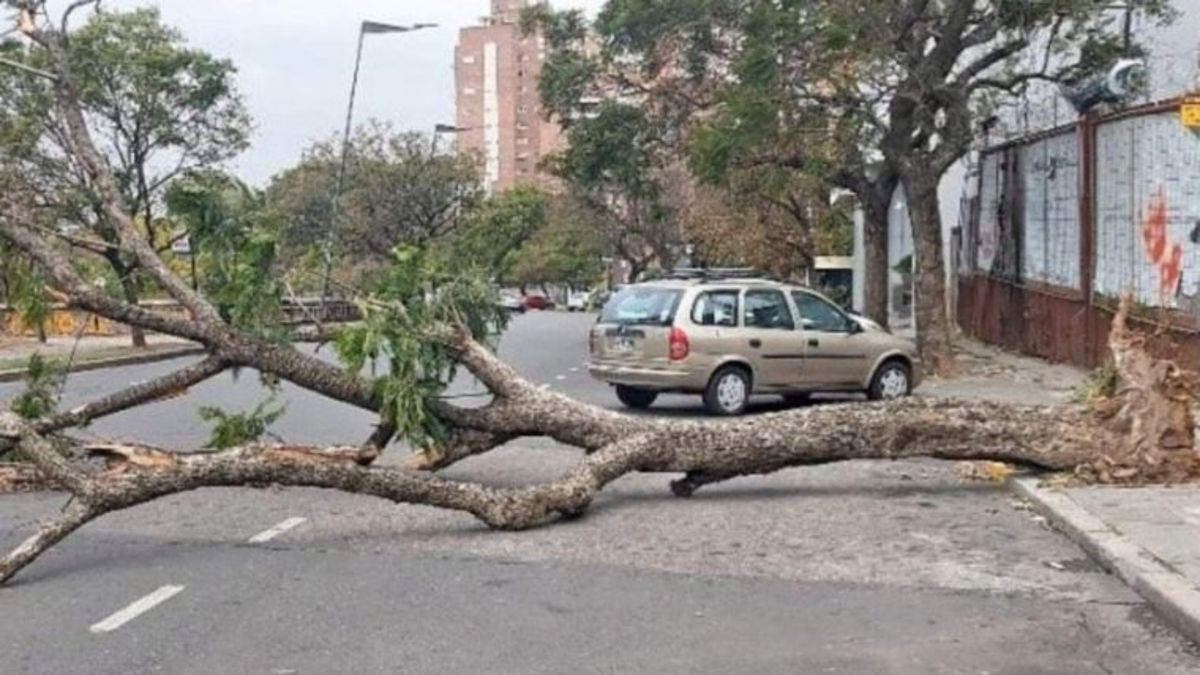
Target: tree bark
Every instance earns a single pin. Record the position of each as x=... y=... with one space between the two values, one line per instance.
x=934 y=341
x=129 y=292
x=876 y=204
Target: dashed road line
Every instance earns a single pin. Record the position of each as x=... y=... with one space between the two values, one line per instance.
x=560 y=378
x=136 y=609
x=268 y=535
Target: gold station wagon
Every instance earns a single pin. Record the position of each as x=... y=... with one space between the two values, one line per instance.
x=726 y=336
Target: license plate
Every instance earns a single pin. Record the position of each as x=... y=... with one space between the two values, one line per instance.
x=623 y=344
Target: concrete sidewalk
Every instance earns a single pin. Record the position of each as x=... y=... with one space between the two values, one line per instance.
x=1148 y=536
x=91 y=352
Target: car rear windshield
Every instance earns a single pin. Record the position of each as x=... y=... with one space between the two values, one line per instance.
x=642 y=306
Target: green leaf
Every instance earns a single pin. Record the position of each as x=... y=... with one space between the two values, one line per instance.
x=234 y=429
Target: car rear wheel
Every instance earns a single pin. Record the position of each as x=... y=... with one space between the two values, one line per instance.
x=893 y=381
x=728 y=391
x=633 y=397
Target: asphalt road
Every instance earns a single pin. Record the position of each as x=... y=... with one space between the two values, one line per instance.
x=862 y=568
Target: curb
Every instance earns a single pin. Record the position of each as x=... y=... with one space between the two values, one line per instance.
x=1171 y=594
x=114 y=362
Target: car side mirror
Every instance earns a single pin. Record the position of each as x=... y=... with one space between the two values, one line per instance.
x=856 y=327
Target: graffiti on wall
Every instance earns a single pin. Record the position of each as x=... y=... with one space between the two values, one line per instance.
x=1166 y=256
x=1147 y=208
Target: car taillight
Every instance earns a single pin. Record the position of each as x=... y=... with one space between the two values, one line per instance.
x=678 y=346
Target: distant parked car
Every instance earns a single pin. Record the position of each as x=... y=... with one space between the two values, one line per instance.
x=512 y=302
x=535 y=301
x=577 y=301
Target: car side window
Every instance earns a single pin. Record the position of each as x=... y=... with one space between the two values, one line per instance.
x=768 y=309
x=819 y=315
x=716 y=308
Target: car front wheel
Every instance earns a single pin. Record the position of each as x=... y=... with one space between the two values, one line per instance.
x=638 y=399
x=728 y=392
x=893 y=381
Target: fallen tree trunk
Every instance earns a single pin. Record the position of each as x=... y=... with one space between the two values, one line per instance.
x=1143 y=434
x=1136 y=437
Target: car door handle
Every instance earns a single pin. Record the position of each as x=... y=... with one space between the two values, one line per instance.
x=814 y=343
x=756 y=343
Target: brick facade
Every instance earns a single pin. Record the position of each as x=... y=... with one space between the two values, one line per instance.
x=500 y=120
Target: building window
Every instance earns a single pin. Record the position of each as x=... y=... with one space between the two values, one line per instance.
x=468 y=91
x=522 y=141
x=468 y=59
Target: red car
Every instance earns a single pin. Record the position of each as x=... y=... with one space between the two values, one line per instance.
x=534 y=301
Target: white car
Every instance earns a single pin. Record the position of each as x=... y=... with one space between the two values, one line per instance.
x=512 y=302
x=577 y=301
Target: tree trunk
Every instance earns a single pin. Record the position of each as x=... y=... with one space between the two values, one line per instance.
x=636 y=267
x=129 y=291
x=876 y=205
x=934 y=340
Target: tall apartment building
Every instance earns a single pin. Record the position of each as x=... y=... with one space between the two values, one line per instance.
x=498 y=114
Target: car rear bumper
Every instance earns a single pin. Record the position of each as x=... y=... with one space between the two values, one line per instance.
x=659 y=379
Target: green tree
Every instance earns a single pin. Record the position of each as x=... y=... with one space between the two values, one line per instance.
x=399 y=190
x=567 y=249
x=233 y=236
x=613 y=165
x=25 y=291
x=492 y=236
x=158 y=108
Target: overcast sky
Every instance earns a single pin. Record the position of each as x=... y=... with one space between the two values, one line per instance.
x=295 y=59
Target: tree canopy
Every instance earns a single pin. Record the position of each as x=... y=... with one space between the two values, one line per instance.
x=399 y=191
x=157 y=108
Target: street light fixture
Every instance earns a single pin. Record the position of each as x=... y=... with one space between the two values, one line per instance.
x=439 y=129
x=365 y=28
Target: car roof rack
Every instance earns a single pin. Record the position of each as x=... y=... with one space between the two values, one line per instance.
x=715 y=273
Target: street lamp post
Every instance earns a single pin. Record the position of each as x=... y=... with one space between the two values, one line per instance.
x=365 y=29
x=439 y=129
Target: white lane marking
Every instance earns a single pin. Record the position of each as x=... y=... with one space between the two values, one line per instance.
x=560 y=377
x=136 y=609
x=268 y=535
x=574 y=370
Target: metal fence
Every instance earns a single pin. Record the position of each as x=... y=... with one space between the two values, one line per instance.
x=1065 y=222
